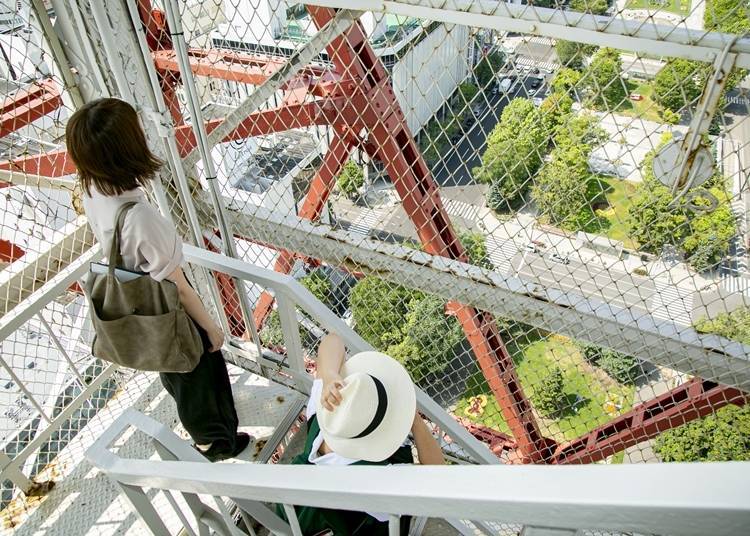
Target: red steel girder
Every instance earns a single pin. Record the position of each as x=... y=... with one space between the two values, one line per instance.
x=691 y=400
x=251 y=69
x=395 y=147
x=228 y=294
x=29 y=104
x=312 y=206
x=319 y=112
x=52 y=164
x=9 y=252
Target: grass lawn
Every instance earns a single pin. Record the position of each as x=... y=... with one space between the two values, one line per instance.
x=678 y=7
x=643 y=109
x=611 y=221
x=591 y=386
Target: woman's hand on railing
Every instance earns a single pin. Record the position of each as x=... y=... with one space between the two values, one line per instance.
x=215 y=338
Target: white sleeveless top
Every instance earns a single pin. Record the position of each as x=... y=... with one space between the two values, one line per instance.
x=149 y=242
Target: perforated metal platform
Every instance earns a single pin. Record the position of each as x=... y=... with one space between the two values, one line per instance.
x=85 y=502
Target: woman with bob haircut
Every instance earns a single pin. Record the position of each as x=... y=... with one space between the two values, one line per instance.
x=108 y=146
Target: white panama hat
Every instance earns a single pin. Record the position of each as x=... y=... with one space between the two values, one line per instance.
x=376 y=411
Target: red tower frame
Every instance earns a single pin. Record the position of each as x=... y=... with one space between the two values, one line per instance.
x=357 y=97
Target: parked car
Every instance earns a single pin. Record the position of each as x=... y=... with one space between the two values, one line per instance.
x=635 y=96
x=556 y=257
x=535 y=82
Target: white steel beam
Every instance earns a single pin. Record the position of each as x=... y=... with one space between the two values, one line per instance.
x=570 y=313
x=19 y=280
x=569 y=497
x=616 y=32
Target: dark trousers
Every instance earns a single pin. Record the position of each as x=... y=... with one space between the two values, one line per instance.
x=204 y=398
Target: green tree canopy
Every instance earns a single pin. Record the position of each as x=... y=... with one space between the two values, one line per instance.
x=555 y=111
x=596 y=7
x=430 y=338
x=723 y=436
x=560 y=190
x=571 y=54
x=703 y=237
x=487 y=69
x=603 y=79
x=734 y=325
x=514 y=152
x=566 y=81
x=678 y=84
x=731 y=16
x=351 y=179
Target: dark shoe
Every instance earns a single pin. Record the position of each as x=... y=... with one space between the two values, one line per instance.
x=222 y=450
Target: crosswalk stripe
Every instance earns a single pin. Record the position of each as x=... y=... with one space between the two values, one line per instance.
x=462 y=209
x=367 y=220
x=529 y=62
x=501 y=253
x=669 y=303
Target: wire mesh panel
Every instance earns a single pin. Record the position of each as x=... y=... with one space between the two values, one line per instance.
x=531 y=156
x=568 y=162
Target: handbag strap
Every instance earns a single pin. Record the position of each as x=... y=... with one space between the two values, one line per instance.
x=115 y=257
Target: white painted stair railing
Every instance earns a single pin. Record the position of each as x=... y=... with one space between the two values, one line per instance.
x=675 y=499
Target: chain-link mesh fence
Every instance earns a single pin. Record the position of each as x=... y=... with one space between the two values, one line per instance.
x=554 y=165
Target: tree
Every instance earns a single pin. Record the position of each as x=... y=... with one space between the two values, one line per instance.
x=622 y=367
x=379 y=310
x=429 y=339
x=476 y=248
x=603 y=80
x=468 y=91
x=703 y=237
x=723 y=436
x=565 y=190
x=320 y=286
x=560 y=190
x=730 y=16
x=271 y=335
x=677 y=84
x=596 y=7
x=566 y=81
x=571 y=54
x=487 y=68
x=734 y=325
x=549 y=396
x=710 y=235
x=513 y=154
x=581 y=130
x=351 y=179
x=555 y=111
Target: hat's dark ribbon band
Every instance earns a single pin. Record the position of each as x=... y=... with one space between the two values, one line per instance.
x=379 y=412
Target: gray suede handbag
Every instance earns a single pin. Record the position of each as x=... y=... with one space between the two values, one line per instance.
x=139 y=322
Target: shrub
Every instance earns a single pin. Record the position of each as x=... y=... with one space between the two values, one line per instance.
x=549 y=397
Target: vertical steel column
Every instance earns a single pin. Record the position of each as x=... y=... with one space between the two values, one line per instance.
x=209 y=168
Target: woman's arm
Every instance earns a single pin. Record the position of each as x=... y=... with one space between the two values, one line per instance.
x=331 y=355
x=428 y=449
x=194 y=307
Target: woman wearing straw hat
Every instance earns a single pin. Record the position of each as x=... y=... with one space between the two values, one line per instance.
x=360 y=412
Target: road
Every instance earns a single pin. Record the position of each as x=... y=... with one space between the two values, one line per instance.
x=595 y=280
x=454 y=169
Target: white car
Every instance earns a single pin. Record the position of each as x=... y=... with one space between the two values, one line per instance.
x=504 y=84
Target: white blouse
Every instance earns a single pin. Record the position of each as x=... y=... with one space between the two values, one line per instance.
x=149 y=242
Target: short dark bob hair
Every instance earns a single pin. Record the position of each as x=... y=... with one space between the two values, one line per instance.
x=107 y=144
